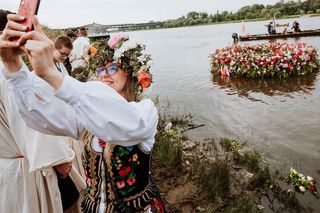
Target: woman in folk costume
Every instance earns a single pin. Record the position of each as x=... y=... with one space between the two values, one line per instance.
x=116 y=128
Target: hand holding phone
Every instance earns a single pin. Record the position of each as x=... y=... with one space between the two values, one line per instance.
x=27 y=9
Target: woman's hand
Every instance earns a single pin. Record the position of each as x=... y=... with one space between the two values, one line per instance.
x=63 y=169
x=9 y=50
x=39 y=49
x=40 y=52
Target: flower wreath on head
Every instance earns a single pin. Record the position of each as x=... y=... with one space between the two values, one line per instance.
x=129 y=55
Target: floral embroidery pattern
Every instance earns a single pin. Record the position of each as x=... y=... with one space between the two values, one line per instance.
x=85 y=164
x=125 y=163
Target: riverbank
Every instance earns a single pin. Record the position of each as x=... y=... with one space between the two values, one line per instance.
x=210 y=176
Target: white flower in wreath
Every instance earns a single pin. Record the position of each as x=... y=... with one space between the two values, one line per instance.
x=141 y=58
x=149 y=63
x=117 y=54
x=127 y=45
x=130 y=44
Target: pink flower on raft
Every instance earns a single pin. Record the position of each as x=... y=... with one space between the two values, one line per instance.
x=116 y=39
x=224 y=71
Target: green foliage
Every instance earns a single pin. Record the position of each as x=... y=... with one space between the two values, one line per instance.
x=214 y=179
x=244 y=204
x=255 y=11
x=51 y=33
x=167 y=149
x=250 y=159
x=261 y=180
x=230 y=144
x=167 y=153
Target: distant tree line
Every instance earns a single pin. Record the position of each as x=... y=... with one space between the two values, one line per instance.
x=257 y=11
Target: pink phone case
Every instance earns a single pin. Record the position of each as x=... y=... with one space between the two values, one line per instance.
x=28 y=8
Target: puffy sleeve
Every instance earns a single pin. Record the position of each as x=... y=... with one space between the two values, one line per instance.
x=77 y=106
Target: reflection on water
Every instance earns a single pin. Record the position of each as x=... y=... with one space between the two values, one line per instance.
x=269 y=86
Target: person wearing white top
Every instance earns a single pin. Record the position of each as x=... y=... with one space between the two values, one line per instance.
x=28 y=158
x=116 y=128
x=79 y=56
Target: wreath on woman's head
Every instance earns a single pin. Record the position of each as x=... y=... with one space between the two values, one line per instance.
x=129 y=55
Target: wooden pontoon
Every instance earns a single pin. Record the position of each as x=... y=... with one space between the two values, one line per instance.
x=280 y=35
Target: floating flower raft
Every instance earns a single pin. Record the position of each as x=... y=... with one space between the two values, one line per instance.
x=279 y=60
x=302 y=183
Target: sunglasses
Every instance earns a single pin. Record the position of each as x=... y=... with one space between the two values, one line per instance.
x=110 y=70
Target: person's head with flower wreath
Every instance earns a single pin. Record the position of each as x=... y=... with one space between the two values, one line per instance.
x=122 y=64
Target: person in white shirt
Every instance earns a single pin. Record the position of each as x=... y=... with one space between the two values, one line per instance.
x=116 y=128
x=29 y=160
x=79 y=56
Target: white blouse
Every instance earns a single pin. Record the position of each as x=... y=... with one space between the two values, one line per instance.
x=77 y=106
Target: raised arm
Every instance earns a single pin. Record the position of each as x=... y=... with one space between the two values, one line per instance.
x=67 y=106
x=38 y=106
x=77 y=106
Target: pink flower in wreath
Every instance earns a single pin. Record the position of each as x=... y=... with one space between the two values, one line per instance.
x=120 y=184
x=131 y=181
x=116 y=39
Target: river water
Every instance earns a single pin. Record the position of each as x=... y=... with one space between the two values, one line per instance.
x=280 y=118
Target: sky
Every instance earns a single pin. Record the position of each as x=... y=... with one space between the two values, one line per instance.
x=74 y=13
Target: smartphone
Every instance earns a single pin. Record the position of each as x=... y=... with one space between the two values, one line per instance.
x=27 y=9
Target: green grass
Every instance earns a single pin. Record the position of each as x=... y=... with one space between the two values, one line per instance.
x=214 y=179
x=166 y=152
x=230 y=144
x=244 y=204
x=261 y=180
x=250 y=159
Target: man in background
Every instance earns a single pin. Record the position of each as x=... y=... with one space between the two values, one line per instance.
x=80 y=54
x=67 y=63
x=61 y=52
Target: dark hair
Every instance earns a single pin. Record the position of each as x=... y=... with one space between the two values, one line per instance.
x=63 y=41
x=71 y=34
x=3 y=18
x=83 y=31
